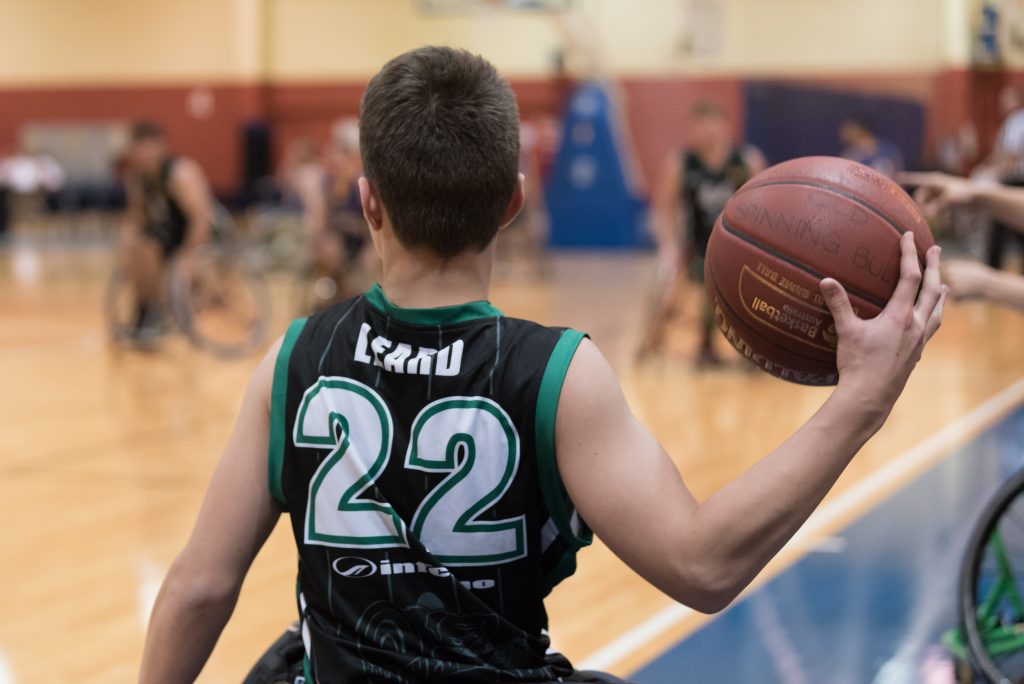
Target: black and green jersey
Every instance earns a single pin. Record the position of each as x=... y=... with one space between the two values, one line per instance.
x=414 y=452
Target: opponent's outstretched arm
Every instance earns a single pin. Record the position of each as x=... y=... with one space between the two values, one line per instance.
x=938 y=191
x=973 y=280
x=703 y=554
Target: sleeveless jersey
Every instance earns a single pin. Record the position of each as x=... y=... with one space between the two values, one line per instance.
x=706 y=190
x=413 y=450
x=164 y=219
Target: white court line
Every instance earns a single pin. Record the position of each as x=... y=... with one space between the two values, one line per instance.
x=900 y=468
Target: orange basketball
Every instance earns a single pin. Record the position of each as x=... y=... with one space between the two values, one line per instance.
x=780 y=234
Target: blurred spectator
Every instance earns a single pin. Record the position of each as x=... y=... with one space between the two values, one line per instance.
x=37 y=175
x=301 y=171
x=340 y=247
x=1008 y=151
x=5 y=195
x=860 y=144
x=522 y=242
x=956 y=151
x=29 y=173
x=1007 y=161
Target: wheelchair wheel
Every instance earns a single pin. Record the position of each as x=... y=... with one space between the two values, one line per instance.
x=220 y=303
x=991 y=606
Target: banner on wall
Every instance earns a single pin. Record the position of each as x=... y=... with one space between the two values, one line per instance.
x=998 y=33
x=700 y=33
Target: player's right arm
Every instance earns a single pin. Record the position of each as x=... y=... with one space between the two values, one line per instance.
x=703 y=554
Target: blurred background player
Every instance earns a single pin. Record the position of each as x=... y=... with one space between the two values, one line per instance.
x=691 y=193
x=170 y=213
x=521 y=250
x=860 y=144
x=340 y=252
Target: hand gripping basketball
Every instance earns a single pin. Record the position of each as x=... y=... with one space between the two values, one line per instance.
x=878 y=354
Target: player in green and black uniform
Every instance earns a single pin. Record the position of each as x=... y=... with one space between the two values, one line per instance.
x=170 y=211
x=453 y=524
x=693 y=192
x=437 y=459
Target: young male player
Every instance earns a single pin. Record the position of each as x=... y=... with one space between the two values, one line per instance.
x=692 y=192
x=170 y=212
x=441 y=463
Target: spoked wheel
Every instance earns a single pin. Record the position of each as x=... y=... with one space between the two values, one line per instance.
x=222 y=305
x=991 y=586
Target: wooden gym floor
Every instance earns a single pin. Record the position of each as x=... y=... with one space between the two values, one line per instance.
x=105 y=455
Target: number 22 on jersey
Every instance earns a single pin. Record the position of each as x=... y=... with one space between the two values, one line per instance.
x=472 y=439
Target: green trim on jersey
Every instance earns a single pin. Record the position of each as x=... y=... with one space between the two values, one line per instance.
x=278 y=397
x=441 y=315
x=555 y=496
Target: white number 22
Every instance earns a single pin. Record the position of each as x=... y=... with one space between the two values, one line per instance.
x=472 y=439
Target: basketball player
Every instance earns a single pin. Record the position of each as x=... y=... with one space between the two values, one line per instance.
x=692 y=193
x=339 y=239
x=170 y=212
x=441 y=463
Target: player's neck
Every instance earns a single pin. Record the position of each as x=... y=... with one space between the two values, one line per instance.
x=415 y=281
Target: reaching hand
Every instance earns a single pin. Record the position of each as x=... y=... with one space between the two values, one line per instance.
x=876 y=356
x=937 y=192
x=967 y=279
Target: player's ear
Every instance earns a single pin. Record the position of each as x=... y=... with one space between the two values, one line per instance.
x=373 y=210
x=515 y=205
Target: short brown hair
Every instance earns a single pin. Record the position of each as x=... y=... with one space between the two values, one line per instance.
x=439 y=136
x=146 y=130
x=707 y=109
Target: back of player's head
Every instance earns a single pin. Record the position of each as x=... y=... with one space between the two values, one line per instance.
x=439 y=136
x=707 y=109
x=145 y=130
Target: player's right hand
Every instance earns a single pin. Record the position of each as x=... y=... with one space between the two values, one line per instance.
x=876 y=356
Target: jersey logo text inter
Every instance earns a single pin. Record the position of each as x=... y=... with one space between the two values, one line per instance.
x=377 y=350
x=353 y=566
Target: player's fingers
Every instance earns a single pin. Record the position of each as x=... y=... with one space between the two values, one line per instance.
x=910 y=275
x=838 y=303
x=935 y=319
x=931 y=288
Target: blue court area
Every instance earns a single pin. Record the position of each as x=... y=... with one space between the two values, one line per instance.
x=871 y=604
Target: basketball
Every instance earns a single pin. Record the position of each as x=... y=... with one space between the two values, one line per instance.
x=786 y=229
